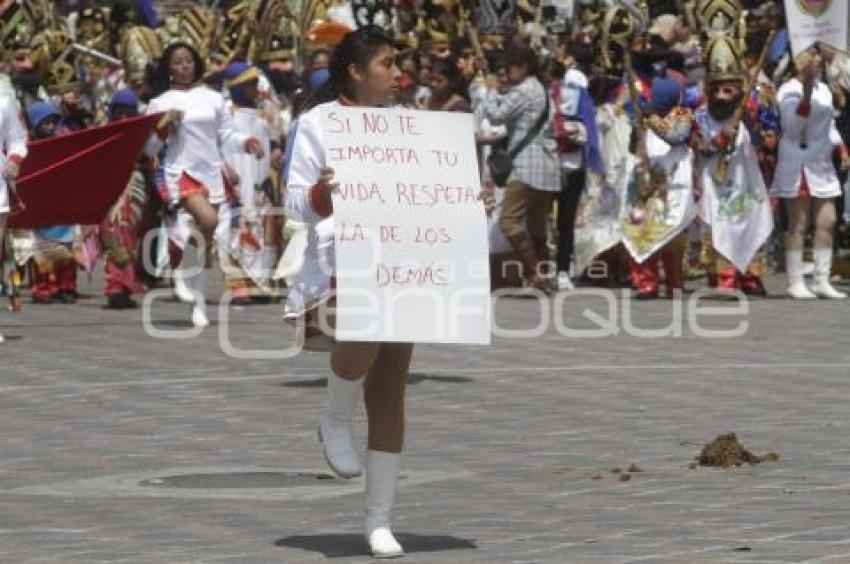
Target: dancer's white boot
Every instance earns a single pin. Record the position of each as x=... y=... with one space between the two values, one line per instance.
x=335 y=426
x=797 y=288
x=381 y=478
x=822 y=287
x=199 y=300
x=182 y=291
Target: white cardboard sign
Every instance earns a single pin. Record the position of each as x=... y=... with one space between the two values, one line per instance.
x=410 y=232
x=813 y=21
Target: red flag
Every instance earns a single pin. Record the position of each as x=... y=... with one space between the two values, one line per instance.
x=76 y=178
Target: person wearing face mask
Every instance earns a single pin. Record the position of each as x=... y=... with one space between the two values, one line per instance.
x=735 y=208
x=805 y=175
x=119 y=234
x=659 y=212
x=188 y=143
x=243 y=234
x=27 y=81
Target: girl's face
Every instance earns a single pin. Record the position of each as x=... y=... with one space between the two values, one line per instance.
x=441 y=88
x=182 y=67
x=47 y=128
x=377 y=84
x=517 y=73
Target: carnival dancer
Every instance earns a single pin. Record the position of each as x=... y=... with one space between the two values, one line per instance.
x=805 y=175
x=14 y=138
x=363 y=73
x=242 y=235
x=121 y=229
x=658 y=213
x=598 y=225
x=195 y=127
x=734 y=202
x=54 y=274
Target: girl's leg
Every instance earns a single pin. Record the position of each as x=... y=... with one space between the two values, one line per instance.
x=204 y=214
x=385 y=386
x=798 y=215
x=824 y=218
x=350 y=362
x=206 y=219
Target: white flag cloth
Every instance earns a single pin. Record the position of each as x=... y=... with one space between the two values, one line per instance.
x=651 y=223
x=738 y=210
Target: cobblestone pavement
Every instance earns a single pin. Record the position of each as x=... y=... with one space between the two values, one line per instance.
x=120 y=447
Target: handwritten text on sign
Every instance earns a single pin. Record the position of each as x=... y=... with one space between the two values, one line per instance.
x=410 y=231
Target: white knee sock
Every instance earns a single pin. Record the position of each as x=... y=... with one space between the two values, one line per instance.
x=342 y=396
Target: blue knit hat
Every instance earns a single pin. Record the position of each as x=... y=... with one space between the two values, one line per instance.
x=240 y=72
x=666 y=95
x=319 y=77
x=40 y=111
x=124 y=98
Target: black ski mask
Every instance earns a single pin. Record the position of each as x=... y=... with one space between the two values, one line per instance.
x=723 y=99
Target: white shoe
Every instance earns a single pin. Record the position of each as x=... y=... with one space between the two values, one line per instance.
x=181 y=290
x=199 y=300
x=381 y=478
x=382 y=543
x=564 y=283
x=337 y=441
x=199 y=316
x=797 y=288
x=822 y=287
x=2 y=339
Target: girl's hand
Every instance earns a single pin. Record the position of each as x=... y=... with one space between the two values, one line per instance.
x=326 y=182
x=254 y=147
x=12 y=170
x=169 y=123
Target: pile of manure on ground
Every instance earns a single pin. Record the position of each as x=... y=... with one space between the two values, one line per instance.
x=726 y=451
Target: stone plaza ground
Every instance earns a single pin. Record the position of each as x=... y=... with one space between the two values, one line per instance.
x=120 y=447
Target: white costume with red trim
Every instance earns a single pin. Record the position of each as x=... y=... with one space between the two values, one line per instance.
x=305 y=158
x=14 y=139
x=195 y=147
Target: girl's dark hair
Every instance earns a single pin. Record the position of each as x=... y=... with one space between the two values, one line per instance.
x=522 y=56
x=356 y=48
x=448 y=68
x=160 y=78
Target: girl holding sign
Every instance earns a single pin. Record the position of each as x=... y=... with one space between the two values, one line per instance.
x=188 y=143
x=363 y=72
